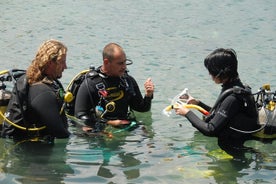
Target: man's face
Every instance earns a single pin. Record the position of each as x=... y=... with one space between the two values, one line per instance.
x=60 y=66
x=117 y=66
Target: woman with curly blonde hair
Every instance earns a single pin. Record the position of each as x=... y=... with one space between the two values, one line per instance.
x=44 y=97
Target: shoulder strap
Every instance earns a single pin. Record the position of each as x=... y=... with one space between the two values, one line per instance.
x=92 y=75
x=128 y=83
x=21 y=90
x=234 y=90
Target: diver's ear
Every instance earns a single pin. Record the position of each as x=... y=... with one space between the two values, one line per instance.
x=106 y=61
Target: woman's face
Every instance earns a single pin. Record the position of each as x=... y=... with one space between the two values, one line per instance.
x=216 y=79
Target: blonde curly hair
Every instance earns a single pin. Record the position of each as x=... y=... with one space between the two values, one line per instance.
x=51 y=50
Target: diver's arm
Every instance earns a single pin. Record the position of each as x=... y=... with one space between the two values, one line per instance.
x=207 y=129
x=138 y=102
x=84 y=105
x=227 y=110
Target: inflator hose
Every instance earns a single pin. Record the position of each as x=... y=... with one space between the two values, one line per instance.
x=21 y=127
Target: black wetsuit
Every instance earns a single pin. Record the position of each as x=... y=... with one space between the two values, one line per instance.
x=45 y=105
x=123 y=91
x=237 y=111
x=43 y=109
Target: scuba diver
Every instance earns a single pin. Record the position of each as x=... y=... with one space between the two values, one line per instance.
x=108 y=94
x=234 y=109
x=34 y=108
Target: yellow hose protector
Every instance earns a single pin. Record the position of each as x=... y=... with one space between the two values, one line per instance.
x=262 y=135
x=68 y=97
x=190 y=106
x=20 y=127
x=2 y=110
x=76 y=76
x=4 y=72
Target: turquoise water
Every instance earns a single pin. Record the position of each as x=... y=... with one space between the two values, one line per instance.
x=168 y=42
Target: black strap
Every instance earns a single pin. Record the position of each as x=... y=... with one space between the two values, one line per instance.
x=235 y=90
x=26 y=84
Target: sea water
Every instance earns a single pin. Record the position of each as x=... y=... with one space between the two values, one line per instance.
x=167 y=41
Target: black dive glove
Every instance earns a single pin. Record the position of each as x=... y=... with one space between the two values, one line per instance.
x=99 y=124
x=86 y=120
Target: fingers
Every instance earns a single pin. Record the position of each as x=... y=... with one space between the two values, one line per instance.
x=149 y=87
x=87 y=129
x=148 y=83
x=181 y=110
x=178 y=111
x=118 y=122
x=148 y=80
x=124 y=122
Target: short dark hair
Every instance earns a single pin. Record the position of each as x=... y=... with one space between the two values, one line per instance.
x=222 y=63
x=108 y=51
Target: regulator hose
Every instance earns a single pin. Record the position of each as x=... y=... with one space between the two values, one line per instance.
x=21 y=127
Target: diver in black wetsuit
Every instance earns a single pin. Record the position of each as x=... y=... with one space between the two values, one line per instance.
x=233 y=111
x=110 y=84
x=45 y=105
x=44 y=101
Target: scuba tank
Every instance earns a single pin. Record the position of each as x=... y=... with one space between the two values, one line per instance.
x=5 y=97
x=266 y=104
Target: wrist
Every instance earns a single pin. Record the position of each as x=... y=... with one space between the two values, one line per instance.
x=186 y=113
x=197 y=102
x=149 y=96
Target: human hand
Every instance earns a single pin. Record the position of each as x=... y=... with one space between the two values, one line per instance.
x=118 y=122
x=189 y=99
x=192 y=100
x=149 y=87
x=87 y=128
x=181 y=110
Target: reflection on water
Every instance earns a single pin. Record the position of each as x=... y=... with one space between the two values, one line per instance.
x=136 y=156
x=31 y=162
x=96 y=157
x=101 y=156
x=167 y=41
